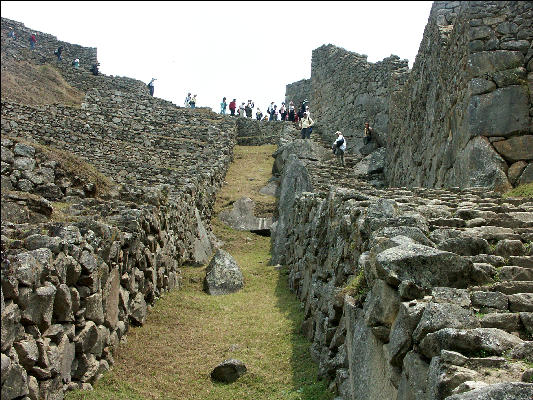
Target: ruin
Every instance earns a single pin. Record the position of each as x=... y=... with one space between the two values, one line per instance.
x=416 y=278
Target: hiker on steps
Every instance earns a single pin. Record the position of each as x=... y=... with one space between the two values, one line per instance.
x=339 y=147
x=188 y=100
x=368 y=133
x=192 y=103
x=94 y=69
x=33 y=40
x=58 y=52
x=151 y=86
x=223 y=106
x=306 y=125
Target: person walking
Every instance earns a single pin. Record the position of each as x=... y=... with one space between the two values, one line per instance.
x=76 y=63
x=193 y=101
x=188 y=100
x=223 y=106
x=33 y=40
x=233 y=106
x=58 y=52
x=12 y=34
x=258 y=114
x=241 y=110
x=306 y=125
x=274 y=113
x=367 y=133
x=339 y=147
x=94 y=69
x=151 y=86
x=283 y=111
x=291 y=111
x=249 y=108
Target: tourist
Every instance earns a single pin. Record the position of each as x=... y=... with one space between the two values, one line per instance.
x=223 y=106
x=266 y=118
x=192 y=102
x=339 y=147
x=33 y=40
x=76 y=63
x=283 y=111
x=368 y=133
x=233 y=106
x=12 y=34
x=291 y=111
x=270 y=108
x=188 y=100
x=249 y=108
x=94 y=69
x=151 y=86
x=58 y=52
x=241 y=110
x=258 y=114
x=306 y=125
x=274 y=113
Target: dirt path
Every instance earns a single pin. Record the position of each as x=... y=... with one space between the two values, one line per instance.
x=187 y=333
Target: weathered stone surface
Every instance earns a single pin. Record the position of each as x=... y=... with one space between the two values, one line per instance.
x=499 y=391
x=382 y=305
x=138 y=309
x=15 y=382
x=490 y=340
x=223 y=275
x=242 y=218
x=402 y=329
x=491 y=61
x=228 y=371
x=441 y=315
x=10 y=322
x=424 y=265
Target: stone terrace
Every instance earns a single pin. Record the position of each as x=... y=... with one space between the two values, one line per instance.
x=443 y=276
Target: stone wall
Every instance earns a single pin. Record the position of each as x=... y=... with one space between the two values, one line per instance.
x=45 y=47
x=297 y=92
x=251 y=132
x=464 y=116
x=101 y=205
x=346 y=90
x=406 y=292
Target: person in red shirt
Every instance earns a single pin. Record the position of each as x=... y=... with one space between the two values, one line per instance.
x=232 y=106
x=33 y=40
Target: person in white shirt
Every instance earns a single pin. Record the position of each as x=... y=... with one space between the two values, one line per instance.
x=339 y=147
x=306 y=124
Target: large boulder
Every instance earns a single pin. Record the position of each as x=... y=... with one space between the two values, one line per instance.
x=223 y=275
x=241 y=217
x=499 y=391
x=425 y=266
x=294 y=181
x=228 y=371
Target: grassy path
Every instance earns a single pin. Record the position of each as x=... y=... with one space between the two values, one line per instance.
x=187 y=333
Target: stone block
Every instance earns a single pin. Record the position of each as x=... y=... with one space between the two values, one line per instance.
x=490 y=61
x=381 y=305
x=502 y=112
x=516 y=148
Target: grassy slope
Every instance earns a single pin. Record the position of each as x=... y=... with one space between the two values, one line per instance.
x=188 y=333
x=31 y=84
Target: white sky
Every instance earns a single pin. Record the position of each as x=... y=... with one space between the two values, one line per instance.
x=243 y=50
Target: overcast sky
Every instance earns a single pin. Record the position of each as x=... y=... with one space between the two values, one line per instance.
x=243 y=50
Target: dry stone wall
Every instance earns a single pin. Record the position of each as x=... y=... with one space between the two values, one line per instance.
x=346 y=90
x=297 y=92
x=464 y=116
x=406 y=292
x=91 y=240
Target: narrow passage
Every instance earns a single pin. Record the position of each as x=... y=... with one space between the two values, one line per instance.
x=188 y=333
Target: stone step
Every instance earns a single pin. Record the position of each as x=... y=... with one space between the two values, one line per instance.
x=515 y=273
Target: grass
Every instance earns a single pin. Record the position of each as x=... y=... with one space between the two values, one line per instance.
x=26 y=83
x=356 y=287
x=525 y=190
x=188 y=332
x=250 y=171
x=73 y=166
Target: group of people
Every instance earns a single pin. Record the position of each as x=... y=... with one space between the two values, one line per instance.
x=190 y=101
x=284 y=113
